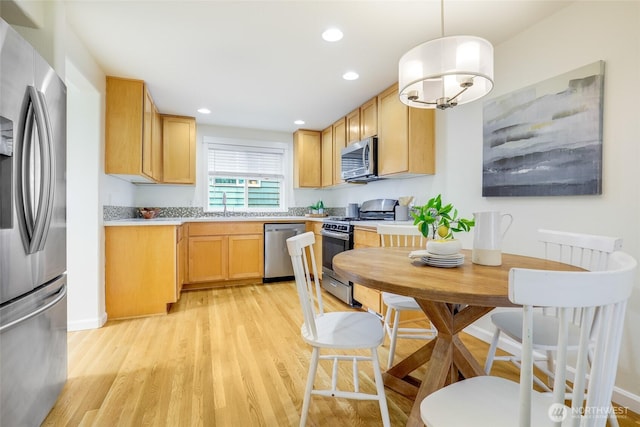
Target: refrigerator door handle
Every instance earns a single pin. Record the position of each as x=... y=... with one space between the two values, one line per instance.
x=62 y=292
x=48 y=167
x=36 y=182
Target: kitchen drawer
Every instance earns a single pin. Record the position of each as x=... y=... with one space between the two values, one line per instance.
x=224 y=228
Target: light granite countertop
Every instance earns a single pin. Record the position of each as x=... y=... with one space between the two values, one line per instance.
x=180 y=221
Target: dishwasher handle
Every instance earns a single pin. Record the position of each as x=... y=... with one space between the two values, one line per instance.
x=272 y=230
x=295 y=228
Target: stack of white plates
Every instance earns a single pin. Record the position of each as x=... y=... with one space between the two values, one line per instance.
x=446 y=261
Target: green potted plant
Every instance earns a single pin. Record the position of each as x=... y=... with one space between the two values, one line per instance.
x=317 y=208
x=438 y=221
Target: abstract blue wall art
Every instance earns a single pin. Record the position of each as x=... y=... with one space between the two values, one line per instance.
x=546 y=139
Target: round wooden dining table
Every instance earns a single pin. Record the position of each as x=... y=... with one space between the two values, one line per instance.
x=452 y=299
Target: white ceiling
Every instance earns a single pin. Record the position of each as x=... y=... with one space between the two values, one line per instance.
x=263 y=64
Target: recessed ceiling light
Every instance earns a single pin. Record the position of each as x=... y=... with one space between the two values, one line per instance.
x=204 y=111
x=299 y=122
x=332 y=35
x=350 y=75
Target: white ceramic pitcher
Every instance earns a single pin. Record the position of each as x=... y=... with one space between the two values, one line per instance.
x=487 y=237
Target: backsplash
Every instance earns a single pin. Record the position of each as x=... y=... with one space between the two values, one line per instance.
x=112 y=213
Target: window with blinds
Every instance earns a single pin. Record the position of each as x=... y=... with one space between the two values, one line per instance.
x=245 y=178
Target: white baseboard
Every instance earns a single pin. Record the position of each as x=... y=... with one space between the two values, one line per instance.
x=621 y=397
x=84 y=324
x=626 y=400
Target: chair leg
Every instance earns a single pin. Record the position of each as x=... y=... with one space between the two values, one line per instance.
x=492 y=352
x=613 y=420
x=387 y=321
x=550 y=368
x=382 y=398
x=313 y=367
x=393 y=337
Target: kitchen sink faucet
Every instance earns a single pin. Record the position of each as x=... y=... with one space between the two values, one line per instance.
x=224 y=203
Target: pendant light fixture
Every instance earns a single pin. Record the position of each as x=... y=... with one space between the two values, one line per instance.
x=446 y=72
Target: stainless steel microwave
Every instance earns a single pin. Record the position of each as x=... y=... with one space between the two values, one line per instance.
x=359 y=161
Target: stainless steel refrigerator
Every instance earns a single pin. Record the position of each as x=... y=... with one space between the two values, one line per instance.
x=33 y=304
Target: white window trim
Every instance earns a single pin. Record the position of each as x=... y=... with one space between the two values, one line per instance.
x=286 y=186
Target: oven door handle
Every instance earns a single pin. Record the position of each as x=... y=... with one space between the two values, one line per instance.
x=340 y=236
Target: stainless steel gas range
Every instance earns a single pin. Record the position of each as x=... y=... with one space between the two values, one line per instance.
x=337 y=236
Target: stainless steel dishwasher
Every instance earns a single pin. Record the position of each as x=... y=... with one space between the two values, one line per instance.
x=277 y=262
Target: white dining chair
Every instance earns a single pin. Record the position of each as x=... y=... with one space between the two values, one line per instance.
x=396 y=235
x=348 y=330
x=587 y=251
x=496 y=402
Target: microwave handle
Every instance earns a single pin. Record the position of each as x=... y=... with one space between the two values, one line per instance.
x=365 y=153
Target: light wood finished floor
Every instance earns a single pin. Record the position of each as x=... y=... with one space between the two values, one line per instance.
x=222 y=357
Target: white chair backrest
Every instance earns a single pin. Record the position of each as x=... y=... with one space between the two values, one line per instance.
x=588 y=251
x=400 y=235
x=606 y=291
x=301 y=252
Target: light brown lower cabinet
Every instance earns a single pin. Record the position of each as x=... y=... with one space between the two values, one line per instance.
x=221 y=253
x=182 y=256
x=369 y=298
x=142 y=273
x=316 y=227
x=207 y=258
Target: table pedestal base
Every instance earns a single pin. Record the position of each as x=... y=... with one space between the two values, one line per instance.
x=446 y=356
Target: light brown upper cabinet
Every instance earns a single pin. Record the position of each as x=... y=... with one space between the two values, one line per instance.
x=406 y=137
x=128 y=130
x=156 y=144
x=353 y=126
x=363 y=122
x=369 y=118
x=307 y=159
x=339 y=142
x=327 y=157
x=142 y=145
x=178 y=149
x=147 y=136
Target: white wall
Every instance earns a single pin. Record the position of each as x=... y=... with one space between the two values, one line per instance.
x=88 y=188
x=85 y=302
x=85 y=153
x=577 y=35
x=47 y=36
